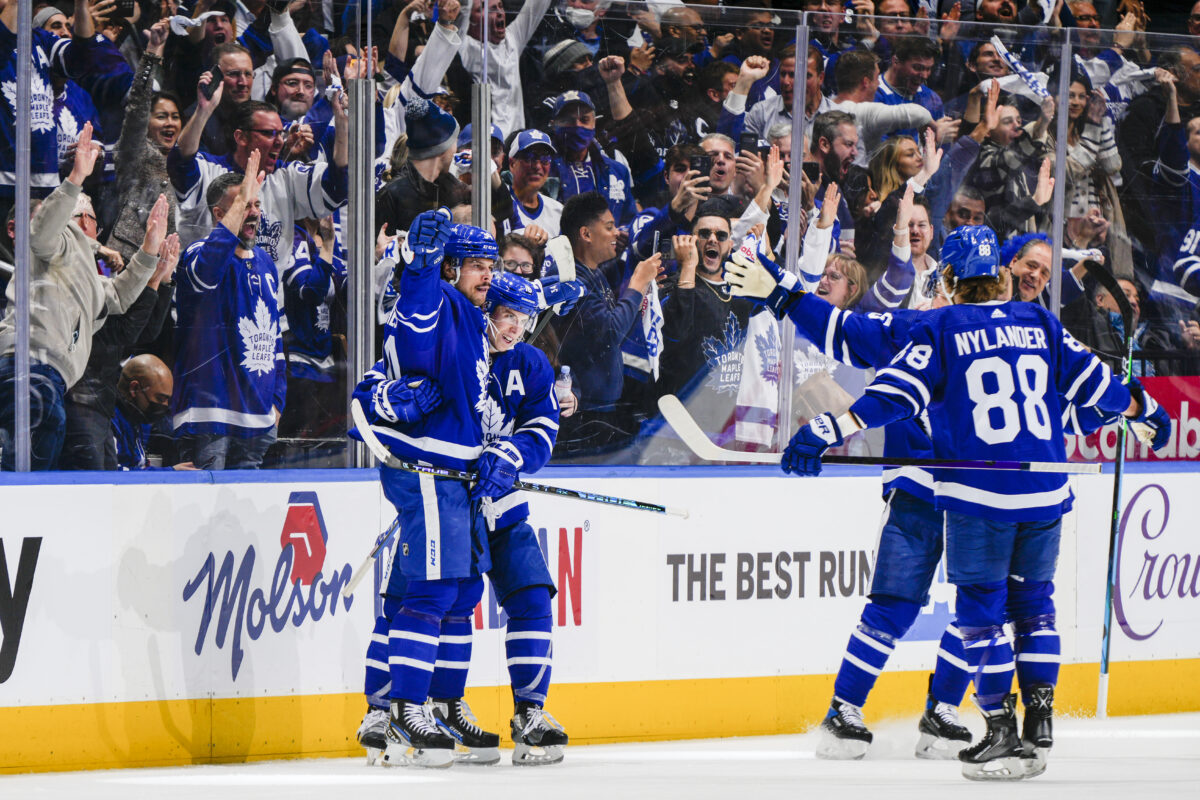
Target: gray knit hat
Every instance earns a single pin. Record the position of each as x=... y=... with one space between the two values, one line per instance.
x=43 y=16
x=558 y=59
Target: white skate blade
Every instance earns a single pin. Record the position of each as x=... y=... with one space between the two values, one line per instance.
x=1035 y=764
x=526 y=755
x=937 y=748
x=834 y=749
x=400 y=754
x=374 y=754
x=1011 y=768
x=476 y=756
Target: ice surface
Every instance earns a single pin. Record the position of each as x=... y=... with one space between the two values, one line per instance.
x=1129 y=758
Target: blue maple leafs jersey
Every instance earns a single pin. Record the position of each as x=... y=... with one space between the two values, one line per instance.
x=434 y=331
x=310 y=285
x=229 y=364
x=523 y=409
x=991 y=376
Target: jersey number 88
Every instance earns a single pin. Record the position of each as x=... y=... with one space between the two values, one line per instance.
x=998 y=405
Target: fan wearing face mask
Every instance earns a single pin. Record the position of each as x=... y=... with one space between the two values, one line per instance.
x=143 y=396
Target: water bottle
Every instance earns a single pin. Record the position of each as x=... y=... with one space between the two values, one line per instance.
x=562 y=384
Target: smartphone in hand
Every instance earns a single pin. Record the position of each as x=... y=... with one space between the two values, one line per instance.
x=217 y=78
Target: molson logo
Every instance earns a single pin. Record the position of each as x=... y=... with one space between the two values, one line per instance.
x=1163 y=575
x=298 y=591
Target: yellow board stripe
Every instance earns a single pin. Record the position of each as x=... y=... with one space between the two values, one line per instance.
x=173 y=732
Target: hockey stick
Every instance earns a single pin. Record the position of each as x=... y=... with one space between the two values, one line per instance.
x=384 y=456
x=699 y=443
x=1106 y=279
x=368 y=562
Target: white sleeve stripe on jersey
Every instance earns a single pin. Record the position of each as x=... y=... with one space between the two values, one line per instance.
x=892 y=290
x=540 y=432
x=887 y=388
x=1070 y=395
x=889 y=303
x=846 y=354
x=830 y=329
x=195 y=278
x=415 y=328
x=920 y=387
x=1006 y=502
x=421 y=317
x=1187 y=274
x=1101 y=389
x=917 y=475
x=549 y=423
x=429 y=444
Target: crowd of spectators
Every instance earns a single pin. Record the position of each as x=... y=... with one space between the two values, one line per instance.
x=637 y=144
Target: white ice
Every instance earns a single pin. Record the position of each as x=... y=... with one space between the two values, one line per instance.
x=1129 y=758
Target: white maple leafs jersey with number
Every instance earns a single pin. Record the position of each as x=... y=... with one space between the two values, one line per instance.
x=991 y=376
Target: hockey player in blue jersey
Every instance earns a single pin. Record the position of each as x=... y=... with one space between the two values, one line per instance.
x=990 y=372
x=436 y=331
x=520 y=423
x=910 y=541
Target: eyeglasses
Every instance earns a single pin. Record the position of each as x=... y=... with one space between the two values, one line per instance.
x=705 y=233
x=967 y=215
x=544 y=160
x=1087 y=18
x=511 y=265
x=268 y=133
x=83 y=215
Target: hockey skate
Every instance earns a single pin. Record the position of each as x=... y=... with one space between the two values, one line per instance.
x=844 y=737
x=942 y=737
x=1037 y=735
x=997 y=756
x=538 y=737
x=414 y=738
x=473 y=745
x=372 y=733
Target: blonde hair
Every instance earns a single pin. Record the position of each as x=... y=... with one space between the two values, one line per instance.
x=885 y=175
x=974 y=290
x=856 y=275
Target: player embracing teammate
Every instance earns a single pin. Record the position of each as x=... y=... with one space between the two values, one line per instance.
x=458 y=388
x=993 y=376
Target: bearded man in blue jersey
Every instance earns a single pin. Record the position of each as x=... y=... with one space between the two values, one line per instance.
x=993 y=375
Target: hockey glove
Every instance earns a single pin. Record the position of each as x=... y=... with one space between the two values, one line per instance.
x=755 y=280
x=561 y=295
x=1153 y=425
x=498 y=469
x=405 y=401
x=803 y=453
x=425 y=246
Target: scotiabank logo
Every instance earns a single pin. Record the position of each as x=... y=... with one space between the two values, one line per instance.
x=297 y=594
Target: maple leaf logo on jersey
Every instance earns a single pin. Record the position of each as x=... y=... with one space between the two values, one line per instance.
x=481 y=372
x=768 y=354
x=724 y=357
x=42 y=112
x=492 y=420
x=258 y=340
x=68 y=131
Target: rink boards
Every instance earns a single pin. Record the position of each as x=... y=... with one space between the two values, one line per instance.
x=199 y=618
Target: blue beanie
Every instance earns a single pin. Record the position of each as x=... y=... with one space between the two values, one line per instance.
x=431 y=131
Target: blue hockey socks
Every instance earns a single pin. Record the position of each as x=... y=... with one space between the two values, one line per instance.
x=527 y=643
x=950 y=676
x=883 y=621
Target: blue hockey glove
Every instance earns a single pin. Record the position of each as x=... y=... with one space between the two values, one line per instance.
x=498 y=469
x=405 y=401
x=1153 y=425
x=803 y=453
x=427 y=238
x=761 y=281
x=561 y=295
